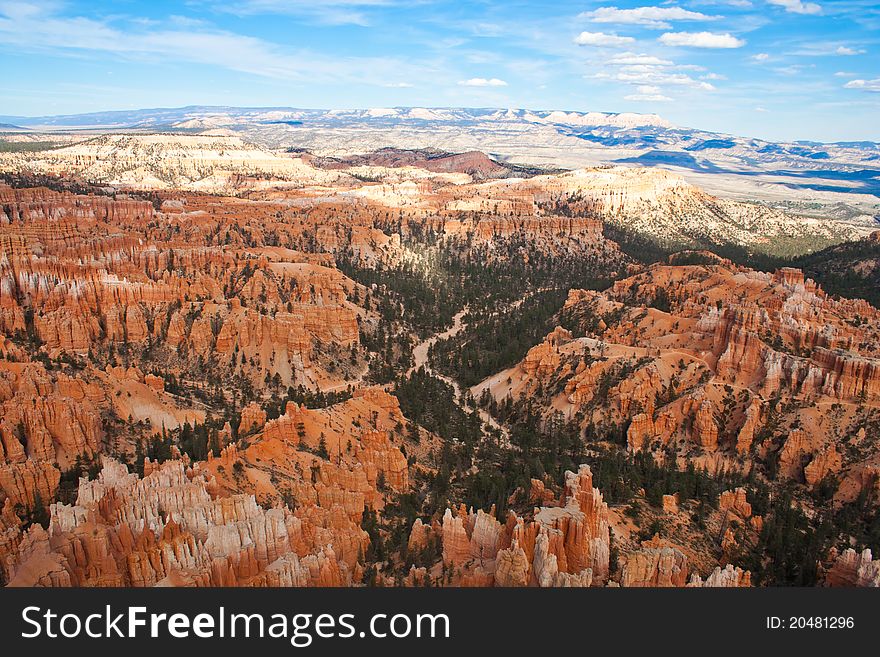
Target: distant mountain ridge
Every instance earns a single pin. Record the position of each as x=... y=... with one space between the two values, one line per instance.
x=157 y=116
x=839 y=179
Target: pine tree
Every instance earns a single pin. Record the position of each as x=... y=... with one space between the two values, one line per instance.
x=39 y=515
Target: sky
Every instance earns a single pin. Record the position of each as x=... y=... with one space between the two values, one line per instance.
x=775 y=69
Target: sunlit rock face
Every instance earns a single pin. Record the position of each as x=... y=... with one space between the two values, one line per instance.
x=562 y=545
x=92 y=287
x=704 y=358
x=167 y=530
x=162 y=161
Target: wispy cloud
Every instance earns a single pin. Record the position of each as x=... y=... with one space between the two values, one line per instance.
x=793 y=69
x=483 y=82
x=33 y=28
x=602 y=39
x=826 y=49
x=701 y=40
x=652 y=17
x=632 y=59
x=797 y=6
x=651 y=75
x=864 y=85
x=327 y=12
x=648 y=93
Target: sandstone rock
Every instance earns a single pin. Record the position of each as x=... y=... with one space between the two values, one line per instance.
x=732 y=337
x=512 y=567
x=728 y=577
x=538 y=493
x=735 y=501
x=166 y=529
x=456 y=542
x=253 y=417
x=24 y=482
x=728 y=542
x=419 y=536
x=656 y=567
x=828 y=461
x=157 y=383
x=854 y=569
x=746 y=435
x=567 y=545
x=543 y=359
x=706 y=431
x=796 y=447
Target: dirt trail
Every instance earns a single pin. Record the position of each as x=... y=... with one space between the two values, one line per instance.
x=420 y=358
x=420 y=352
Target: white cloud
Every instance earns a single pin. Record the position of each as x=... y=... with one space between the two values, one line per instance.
x=655 y=76
x=650 y=98
x=631 y=59
x=483 y=82
x=399 y=85
x=844 y=74
x=31 y=27
x=761 y=109
x=827 y=49
x=701 y=40
x=602 y=39
x=648 y=93
x=650 y=74
x=761 y=57
x=864 y=85
x=797 y=6
x=653 y=17
x=327 y=12
x=793 y=69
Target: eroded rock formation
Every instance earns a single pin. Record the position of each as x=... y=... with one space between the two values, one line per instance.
x=166 y=529
x=854 y=569
x=564 y=545
x=705 y=358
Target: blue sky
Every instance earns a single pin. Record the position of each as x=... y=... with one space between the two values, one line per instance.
x=778 y=69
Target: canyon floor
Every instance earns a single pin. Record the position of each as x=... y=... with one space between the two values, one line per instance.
x=226 y=364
